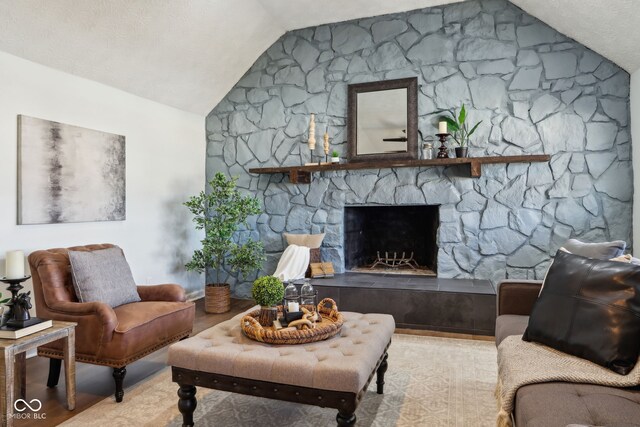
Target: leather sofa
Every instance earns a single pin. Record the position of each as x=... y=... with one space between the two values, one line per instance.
x=557 y=403
x=114 y=337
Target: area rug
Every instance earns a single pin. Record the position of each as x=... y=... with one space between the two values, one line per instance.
x=431 y=381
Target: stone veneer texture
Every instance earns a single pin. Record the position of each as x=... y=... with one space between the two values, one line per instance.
x=535 y=90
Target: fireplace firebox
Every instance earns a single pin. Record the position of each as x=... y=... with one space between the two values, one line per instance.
x=391 y=239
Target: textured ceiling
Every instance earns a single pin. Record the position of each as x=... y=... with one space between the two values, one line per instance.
x=188 y=54
x=295 y=14
x=609 y=27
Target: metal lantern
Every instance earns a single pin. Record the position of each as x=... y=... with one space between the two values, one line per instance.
x=308 y=296
x=291 y=298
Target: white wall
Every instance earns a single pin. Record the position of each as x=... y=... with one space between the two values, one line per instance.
x=635 y=145
x=165 y=164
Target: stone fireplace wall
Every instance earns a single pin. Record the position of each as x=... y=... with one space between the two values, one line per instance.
x=535 y=90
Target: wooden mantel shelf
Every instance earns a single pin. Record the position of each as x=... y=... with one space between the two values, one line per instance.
x=302 y=174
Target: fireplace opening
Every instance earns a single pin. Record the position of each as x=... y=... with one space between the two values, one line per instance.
x=391 y=239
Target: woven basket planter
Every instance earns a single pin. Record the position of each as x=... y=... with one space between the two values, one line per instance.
x=217 y=299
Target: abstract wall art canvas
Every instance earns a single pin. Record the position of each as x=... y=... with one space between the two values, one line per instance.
x=69 y=174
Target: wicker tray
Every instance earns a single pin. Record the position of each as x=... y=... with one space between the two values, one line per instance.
x=331 y=324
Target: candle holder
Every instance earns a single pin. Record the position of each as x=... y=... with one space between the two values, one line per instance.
x=14 y=287
x=291 y=304
x=312 y=135
x=308 y=296
x=442 y=150
x=326 y=146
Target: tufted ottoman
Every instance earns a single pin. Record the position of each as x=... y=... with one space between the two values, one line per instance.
x=333 y=373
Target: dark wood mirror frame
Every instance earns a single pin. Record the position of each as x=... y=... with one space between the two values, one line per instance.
x=411 y=84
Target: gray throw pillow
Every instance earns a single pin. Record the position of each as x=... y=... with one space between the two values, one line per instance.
x=603 y=251
x=103 y=275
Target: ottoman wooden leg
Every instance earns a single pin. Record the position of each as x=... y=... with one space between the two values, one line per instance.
x=187 y=403
x=380 y=373
x=346 y=419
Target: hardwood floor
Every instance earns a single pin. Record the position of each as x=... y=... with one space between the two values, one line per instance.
x=94 y=383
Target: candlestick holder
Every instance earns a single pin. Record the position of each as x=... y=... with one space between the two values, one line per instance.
x=442 y=150
x=326 y=146
x=14 y=287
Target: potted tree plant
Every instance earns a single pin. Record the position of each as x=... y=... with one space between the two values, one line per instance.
x=459 y=129
x=267 y=291
x=220 y=212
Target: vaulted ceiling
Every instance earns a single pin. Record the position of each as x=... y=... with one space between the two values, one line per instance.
x=188 y=54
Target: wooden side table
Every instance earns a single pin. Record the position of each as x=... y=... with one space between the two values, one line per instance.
x=13 y=365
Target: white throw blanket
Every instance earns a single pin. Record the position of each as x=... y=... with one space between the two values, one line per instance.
x=521 y=363
x=293 y=263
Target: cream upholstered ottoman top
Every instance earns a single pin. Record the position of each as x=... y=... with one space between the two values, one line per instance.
x=341 y=363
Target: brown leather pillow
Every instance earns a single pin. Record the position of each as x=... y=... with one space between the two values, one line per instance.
x=591 y=309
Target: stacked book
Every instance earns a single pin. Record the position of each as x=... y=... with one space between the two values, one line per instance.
x=29 y=327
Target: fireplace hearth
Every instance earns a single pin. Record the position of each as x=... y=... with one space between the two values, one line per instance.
x=391 y=239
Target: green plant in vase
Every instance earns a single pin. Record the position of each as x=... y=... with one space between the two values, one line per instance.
x=220 y=212
x=459 y=128
x=267 y=291
x=335 y=157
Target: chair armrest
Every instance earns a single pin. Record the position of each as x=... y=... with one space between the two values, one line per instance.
x=167 y=292
x=97 y=317
x=517 y=296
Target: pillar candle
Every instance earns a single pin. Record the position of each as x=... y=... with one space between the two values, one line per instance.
x=14 y=265
x=293 y=306
x=442 y=127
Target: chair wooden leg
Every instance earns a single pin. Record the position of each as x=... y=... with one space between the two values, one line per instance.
x=118 y=375
x=54 y=372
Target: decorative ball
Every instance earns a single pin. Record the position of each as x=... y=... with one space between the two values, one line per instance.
x=267 y=291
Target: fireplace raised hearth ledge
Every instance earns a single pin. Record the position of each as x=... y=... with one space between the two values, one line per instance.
x=303 y=174
x=465 y=306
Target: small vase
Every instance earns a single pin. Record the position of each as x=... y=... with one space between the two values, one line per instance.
x=461 y=151
x=267 y=316
x=427 y=151
x=335 y=160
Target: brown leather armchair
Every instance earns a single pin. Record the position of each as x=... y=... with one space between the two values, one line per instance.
x=106 y=336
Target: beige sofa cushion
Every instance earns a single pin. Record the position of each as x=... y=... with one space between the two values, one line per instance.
x=510 y=324
x=341 y=363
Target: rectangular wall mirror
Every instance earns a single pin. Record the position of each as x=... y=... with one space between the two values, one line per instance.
x=382 y=120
